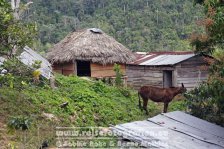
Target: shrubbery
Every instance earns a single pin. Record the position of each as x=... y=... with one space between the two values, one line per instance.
x=207 y=101
x=204 y=102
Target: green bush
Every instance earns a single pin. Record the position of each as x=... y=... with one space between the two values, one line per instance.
x=19 y=123
x=125 y=91
x=17 y=68
x=207 y=102
x=118 y=79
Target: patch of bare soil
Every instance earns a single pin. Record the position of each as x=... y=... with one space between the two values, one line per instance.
x=3 y=134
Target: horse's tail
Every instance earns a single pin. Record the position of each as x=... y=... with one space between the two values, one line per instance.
x=139 y=101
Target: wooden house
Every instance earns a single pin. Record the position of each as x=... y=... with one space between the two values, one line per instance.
x=166 y=69
x=89 y=52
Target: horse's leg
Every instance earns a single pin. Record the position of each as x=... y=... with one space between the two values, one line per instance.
x=145 y=103
x=139 y=101
x=165 y=107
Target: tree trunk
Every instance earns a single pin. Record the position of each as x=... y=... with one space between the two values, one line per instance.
x=15 y=8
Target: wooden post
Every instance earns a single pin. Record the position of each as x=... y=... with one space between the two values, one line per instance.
x=75 y=67
x=124 y=79
x=52 y=82
x=175 y=78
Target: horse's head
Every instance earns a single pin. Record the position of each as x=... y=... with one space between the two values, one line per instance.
x=182 y=88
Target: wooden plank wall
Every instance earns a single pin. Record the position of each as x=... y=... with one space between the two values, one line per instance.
x=140 y=75
x=64 y=68
x=98 y=70
x=191 y=72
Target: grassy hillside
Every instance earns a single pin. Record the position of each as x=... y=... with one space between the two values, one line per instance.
x=90 y=104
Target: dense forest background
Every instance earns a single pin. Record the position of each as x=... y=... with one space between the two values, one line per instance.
x=141 y=25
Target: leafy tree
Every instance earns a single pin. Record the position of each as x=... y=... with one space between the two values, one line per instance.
x=13 y=32
x=141 y=25
x=209 y=96
x=214 y=27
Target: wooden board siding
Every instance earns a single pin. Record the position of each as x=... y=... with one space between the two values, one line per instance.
x=139 y=76
x=191 y=72
x=65 y=68
x=98 y=70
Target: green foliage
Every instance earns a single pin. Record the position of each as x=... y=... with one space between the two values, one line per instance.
x=213 y=24
x=13 y=33
x=17 y=74
x=99 y=87
x=20 y=76
x=140 y=25
x=36 y=64
x=178 y=105
x=89 y=104
x=7 y=80
x=125 y=91
x=94 y=104
x=118 y=74
x=16 y=67
x=207 y=102
x=36 y=73
x=19 y=123
x=216 y=83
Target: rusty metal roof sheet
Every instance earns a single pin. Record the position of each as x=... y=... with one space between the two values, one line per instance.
x=167 y=59
x=173 y=130
x=162 y=58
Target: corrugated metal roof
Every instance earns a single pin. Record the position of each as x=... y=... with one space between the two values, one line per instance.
x=162 y=58
x=173 y=130
x=28 y=57
x=167 y=59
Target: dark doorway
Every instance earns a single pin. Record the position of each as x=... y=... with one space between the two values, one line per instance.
x=167 y=78
x=83 y=68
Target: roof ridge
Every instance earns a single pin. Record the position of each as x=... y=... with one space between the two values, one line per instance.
x=163 y=58
x=171 y=52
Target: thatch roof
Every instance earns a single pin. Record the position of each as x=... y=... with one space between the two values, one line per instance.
x=90 y=45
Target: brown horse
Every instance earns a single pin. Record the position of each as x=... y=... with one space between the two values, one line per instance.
x=157 y=94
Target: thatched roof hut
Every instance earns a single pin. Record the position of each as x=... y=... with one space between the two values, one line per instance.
x=90 y=45
x=88 y=52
